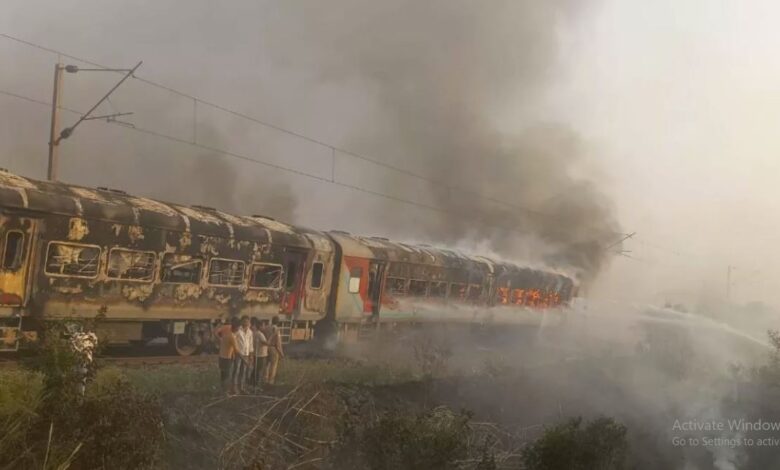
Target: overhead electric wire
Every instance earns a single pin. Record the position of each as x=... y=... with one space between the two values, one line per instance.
x=298 y=135
x=333 y=148
x=246 y=158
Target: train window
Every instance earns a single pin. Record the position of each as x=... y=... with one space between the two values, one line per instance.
x=475 y=292
x=226 y=272
x=354 y=280
x=13 y=250
x=458 y=291
x=502 y=295
x=71 y=259
x=316 y=275
x=181 y=269
x=396 y=286
x=518 y=296
x=438 y=289
x=418 y=288
x=266 y=276
x=131 y=265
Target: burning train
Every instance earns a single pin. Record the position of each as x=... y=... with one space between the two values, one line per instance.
x=152 y=269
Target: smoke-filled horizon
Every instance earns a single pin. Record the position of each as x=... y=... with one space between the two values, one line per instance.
x=436 y=75
x=659 y=116
x=440 y=72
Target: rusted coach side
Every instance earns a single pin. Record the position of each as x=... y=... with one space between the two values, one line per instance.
x=532 y=288
x=153 y=268
x=384 y=282
x=388 y=283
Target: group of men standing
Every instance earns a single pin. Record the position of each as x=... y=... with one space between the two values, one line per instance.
x=249 y=354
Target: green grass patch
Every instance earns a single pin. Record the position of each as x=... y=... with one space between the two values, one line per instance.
x=20 y=392
x=344 y=371
x=204 y=377
x=170 y=378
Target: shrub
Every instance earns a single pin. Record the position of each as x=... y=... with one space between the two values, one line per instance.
x=119 y=428
x=430 y=440
x=46 y=422
x=432 y=355
x=600 y=445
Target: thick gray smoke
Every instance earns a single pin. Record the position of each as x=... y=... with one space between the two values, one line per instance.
x=445 y=75
x=212 y=179
x=453 y=90
x=104 y=155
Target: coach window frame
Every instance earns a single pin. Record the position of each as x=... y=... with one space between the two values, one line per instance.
x=81 y=245
x=409 y=288
x=18 y=259
x=322 y=275
x=120 y=248
x=192 y=258
x=282 y=277
x=394 y=293
x=438 y=283
x=243 y=273
x=457 y=297
x=359 y=277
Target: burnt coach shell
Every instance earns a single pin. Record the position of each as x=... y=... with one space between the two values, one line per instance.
x=149 y=268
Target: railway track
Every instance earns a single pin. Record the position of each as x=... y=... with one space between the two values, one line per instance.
x=132 y=357
x=131 y=361
x=140 y=361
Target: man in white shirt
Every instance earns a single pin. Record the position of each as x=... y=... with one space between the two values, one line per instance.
x=244 y=352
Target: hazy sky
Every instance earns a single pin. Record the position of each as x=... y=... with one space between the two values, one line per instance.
x=682 y=98
x=676 y=102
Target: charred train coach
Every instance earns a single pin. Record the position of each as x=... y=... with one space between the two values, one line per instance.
x=152 y=269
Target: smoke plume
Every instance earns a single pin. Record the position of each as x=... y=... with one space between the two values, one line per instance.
x=445 y=75
x=454 y=90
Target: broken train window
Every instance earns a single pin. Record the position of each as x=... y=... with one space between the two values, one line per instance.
x=181 y=269
x=130 y=265
x=266 y=276
x=396 y=286
x=418 y=288
x=458 y=291
x=13 y=250
x=226 y=272
x=475 y=292
x=71 y=259
x=438 y=289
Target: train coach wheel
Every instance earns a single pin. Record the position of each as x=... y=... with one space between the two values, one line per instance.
x=187 y=342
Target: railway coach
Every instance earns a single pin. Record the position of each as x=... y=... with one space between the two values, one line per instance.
x=151 y=269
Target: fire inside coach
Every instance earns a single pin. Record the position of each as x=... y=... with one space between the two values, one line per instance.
x=151 y=269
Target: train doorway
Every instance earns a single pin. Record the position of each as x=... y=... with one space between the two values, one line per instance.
x=16 y=236
x=16 y=239
x=294 y=264
x=376 y=275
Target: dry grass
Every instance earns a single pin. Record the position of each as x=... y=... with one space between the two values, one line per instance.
x=204 y=378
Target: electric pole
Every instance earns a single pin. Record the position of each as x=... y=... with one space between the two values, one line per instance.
x=51 y=174
x=55 y=136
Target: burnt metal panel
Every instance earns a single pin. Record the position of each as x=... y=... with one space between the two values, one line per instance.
x=119 y=207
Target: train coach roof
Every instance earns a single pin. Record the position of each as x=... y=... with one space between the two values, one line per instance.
x=384 y=249
x=17 y=192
